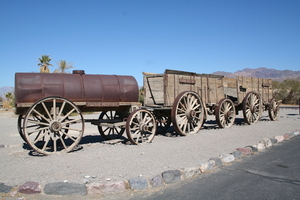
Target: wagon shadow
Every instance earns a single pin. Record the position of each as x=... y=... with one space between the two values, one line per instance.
x=88 y=139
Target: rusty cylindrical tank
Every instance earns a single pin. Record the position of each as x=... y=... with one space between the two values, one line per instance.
x=88 y=91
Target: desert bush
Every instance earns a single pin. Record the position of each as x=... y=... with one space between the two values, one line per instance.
x=288 y=91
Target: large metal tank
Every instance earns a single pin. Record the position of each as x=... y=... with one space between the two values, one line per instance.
x=76 y=87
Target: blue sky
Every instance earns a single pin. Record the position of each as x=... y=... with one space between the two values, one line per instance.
x=129 y=37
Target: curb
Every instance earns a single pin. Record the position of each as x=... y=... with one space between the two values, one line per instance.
x=141 y=183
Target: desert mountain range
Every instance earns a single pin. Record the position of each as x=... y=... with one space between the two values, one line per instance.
x=277 y=75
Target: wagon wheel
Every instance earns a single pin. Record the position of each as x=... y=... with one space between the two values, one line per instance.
x=110 y=132
x=225 y=113
x=52 y=125
x=187 y=113
x=252 y=106
x=163 y=122
x=140 y=126
x=20 y=127
x=273 y=110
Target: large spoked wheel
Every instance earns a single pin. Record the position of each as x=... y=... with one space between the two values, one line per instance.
x=273 y=110
x=108 y=130
x=225 y=113
x=52 y=125
x=187 y=113
x=252 y=107
x=20 y=127
x=163 y=122
x=140 y=126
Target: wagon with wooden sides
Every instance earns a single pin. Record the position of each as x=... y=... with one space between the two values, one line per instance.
x=185 y=99
x=51 y=106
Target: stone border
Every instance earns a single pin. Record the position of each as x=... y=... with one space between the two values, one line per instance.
x=141 y=183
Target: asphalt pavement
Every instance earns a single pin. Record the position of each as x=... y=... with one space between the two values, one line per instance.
x=271 y=174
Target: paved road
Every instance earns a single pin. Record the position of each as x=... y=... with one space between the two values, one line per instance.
x=273 y=174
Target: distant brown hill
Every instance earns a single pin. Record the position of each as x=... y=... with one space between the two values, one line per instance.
x=278 y=75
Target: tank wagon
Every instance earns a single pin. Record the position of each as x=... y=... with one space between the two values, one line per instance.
x=50 y=109
x=185 y=99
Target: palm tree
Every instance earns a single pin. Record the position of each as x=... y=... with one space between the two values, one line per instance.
x=9 y=96
x=63 y=66
x=44 y=63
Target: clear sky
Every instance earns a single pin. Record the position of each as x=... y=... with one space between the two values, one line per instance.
x=127 y=37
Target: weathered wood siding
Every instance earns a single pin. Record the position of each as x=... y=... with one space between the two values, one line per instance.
x=251 y=84
x=153 y=89
x=162 y=89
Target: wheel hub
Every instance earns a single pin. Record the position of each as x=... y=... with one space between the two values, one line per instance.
x=143 y=128
x=55 y=126
x=191 y=114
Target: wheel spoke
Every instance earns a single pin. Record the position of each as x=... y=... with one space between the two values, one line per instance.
x=61 y=110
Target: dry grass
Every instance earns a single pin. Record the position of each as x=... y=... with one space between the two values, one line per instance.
x=7 y=104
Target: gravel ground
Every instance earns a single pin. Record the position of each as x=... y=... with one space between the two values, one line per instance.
x=115 y=160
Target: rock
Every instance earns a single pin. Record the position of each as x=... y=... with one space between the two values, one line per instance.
x=206 y=167
x=30 y=187
x=273 y=141
x=190 y=172
x=216 y=161
x=60 y=188
x=286 y=136
x=292 y=135
x=253 y=148
x=171 y=176
x=86 y=181
x=227 y=158
x=5 y=188
x=106 y=188
x=245 y=151
x=261 y=146
x=138 y=183
x=267 y=142
x=13 y=193
x=279 y=138
x=237 y=154
x=296 y=133
x=157 y=181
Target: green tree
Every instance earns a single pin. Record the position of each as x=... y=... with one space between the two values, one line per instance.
x=44 y=63
x=288 y=91
x=63 y=67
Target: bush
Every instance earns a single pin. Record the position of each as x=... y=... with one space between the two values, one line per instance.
x=288 y=91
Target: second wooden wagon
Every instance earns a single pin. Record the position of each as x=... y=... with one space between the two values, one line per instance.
x=186 y=99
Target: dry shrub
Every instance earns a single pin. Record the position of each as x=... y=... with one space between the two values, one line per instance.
x=7 y=104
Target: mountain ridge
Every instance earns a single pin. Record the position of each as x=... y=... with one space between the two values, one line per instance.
x=262 y=72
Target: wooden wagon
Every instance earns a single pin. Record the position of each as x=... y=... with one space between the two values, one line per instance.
x=186 y=99
x=50 y=108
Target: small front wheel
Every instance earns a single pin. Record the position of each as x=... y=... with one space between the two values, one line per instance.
x=225 y=113
x=140 y=126
x=273 y=110
x=110 y=131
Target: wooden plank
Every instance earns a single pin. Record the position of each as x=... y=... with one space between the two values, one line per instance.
x=153 y=89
